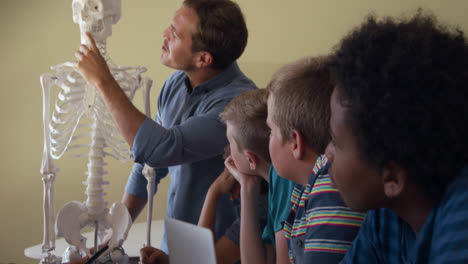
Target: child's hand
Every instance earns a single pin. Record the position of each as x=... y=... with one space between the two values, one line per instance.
x=231 y=166
x=226 y=183
x=245 y=180
x=151 y=255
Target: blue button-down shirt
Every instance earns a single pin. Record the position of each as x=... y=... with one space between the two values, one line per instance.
x=188 y=138
x=386 y=238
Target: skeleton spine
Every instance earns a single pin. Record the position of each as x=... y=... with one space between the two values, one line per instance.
x=95 y=202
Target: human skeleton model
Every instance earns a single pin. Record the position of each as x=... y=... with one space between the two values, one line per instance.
x=80 y=113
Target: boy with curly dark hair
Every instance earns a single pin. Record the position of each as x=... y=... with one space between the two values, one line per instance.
x=399 y=139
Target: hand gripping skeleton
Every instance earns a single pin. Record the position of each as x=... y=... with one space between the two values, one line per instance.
x=80 y=113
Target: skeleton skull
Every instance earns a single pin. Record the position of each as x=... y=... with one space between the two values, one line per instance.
x=96 y=16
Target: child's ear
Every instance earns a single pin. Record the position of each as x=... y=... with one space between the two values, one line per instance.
x=252 y=159
x=394 y=179
x=297 y=144
x=203 y=59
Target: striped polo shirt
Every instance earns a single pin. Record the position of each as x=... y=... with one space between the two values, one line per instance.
x=320 y=227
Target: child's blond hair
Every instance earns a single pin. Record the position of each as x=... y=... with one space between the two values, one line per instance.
x=301 y=94
x=247 y=114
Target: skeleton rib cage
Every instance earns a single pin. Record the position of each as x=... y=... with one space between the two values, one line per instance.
x=78 y=101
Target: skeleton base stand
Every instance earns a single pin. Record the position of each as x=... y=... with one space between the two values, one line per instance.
x=64 y=130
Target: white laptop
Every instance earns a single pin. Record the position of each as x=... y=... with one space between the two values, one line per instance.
x=188 y=243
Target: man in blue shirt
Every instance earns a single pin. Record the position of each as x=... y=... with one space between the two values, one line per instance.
x=186 y=138
x=399 y=139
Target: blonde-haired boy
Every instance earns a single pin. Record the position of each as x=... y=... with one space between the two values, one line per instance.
x=248 y=136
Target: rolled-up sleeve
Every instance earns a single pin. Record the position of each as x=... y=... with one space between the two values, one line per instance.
x=197 y=138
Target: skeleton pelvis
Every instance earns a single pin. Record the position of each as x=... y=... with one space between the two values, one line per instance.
x=74 y=216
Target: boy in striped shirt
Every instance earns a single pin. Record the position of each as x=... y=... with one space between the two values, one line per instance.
x=320 y=227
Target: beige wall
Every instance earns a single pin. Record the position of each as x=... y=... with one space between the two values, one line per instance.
x=39 y=34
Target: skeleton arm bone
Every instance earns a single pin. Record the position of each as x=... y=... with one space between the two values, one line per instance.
x=48 y=169
x=47 y=166
x=148 y=171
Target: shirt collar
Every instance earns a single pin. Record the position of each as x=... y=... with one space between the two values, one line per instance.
x=220 y=80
